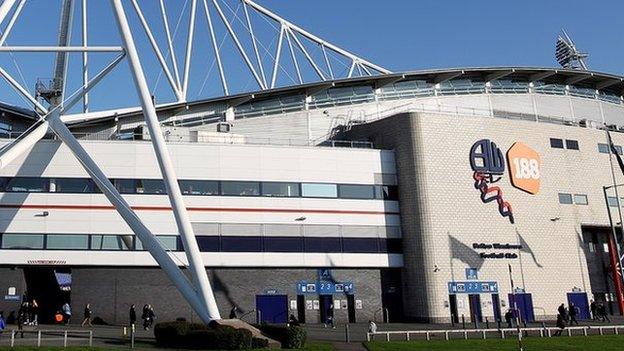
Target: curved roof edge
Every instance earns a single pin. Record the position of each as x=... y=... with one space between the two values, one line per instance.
x=597 y=80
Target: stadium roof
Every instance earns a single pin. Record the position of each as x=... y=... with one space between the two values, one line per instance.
x=590 y=79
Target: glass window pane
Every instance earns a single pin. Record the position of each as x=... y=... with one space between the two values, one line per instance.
x=360 y=245
x=580 y=199
x=22 y=241
x=283 y=244
x=313 y=244
x=565 y=199
x=603 y=148
x=199 y=187
x=73 y=185
x=356 y=191
x=556 y=143
x=241 y=244
x=67 y=242
x=169 y=242
x=572 y=144
x=280 y=189
x=208 y=243
x=27 y=184
x=612 y=201
x=240 y=188
x=111 y=242
x=125 y=186
x=151 y=186
x=319 y=190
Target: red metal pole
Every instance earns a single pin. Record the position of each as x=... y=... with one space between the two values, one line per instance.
x=617 y=276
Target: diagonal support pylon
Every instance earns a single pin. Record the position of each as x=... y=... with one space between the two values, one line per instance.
x=196 y=265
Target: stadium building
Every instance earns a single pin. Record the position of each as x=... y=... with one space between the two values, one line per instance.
x=421 y=196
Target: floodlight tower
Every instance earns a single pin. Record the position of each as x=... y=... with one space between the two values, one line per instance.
x=567 y=54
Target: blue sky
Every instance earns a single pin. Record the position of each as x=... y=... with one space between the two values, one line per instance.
x=398 y=35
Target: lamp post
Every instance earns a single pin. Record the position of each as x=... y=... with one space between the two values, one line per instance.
x=614 y=247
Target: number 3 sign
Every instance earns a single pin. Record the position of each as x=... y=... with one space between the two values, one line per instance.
x=524 y=168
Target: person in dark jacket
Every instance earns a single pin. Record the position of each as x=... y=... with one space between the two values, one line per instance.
x=132 y=315
x=145 y=316
x=572 y=314
x=87 y=315
x=560 y=324
x=509 y=318
x=594 y=309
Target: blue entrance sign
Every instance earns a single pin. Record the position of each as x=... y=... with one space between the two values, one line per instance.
x=324 y=288
x=471 y=274
x=12 y=297
x=325 y=274
x=472 y=287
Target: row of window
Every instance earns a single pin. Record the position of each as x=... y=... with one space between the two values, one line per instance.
x=206 y=243
x=559 y=144
x=203 y=187
x=569 y=199
x=604 y=148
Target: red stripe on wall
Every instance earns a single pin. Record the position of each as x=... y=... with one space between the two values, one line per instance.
x=195 y=209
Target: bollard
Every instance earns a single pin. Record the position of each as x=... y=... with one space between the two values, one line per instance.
x=132 y=332
x=347 y=336
x=463 y=322
x=39 y=338
x=12 y=338
x=487 y=323
x=65 y=339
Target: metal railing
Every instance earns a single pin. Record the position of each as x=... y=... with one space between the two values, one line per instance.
x=52 y=335
x=500 y=333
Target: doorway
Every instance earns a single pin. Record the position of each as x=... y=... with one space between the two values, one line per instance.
x=326 y=303
x=579 y=299
x=453 y=307
x=351 y=307
x=272 y=308
x=474 y=301
x=524 y=305
x=301 y=308
x=50 y=288
x=496 y=307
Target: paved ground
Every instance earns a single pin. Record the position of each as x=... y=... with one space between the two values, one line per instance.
x=112 y=336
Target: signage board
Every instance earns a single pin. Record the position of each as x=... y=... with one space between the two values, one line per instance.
x=473 y=287
x=325 y=288
x=472 y=274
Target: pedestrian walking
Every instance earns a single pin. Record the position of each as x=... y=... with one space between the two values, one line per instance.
x=132 y=315
x=572 y=314
x=292 y=320
x=152 y=315
x=87 y=315
x=562 y=311
x=372 y=327
x=329 y=322
x=233 y=312
x=145 y=316
x=593 y=308
x=34 y=312
x=67 y=312
x=2 y=324
x=21 y=319
x=602 y=312
x=509 y=318
x=560 y=324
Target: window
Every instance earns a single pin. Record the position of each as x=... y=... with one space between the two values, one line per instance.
x=208 y=243
x=72 y=185
x=241 y=244
x=390 y=245
x=67 y=242
x=572 y=144
x=386 y=192
x=240 y=188
x=326 y=244
x=565 y=199
x=603 y=148
x=612 y=201
x=26 y=184
x=280 y=189
x=283 y=244
x=22 y=241
x=319 y=190
x=356 y=191
x=618 y=149
x=169 y=242
x=360 y=245
x=151 y=186
x=111 y=242
x=126 y=186
x=556 y=143
x=580 y=199
x=199 y=187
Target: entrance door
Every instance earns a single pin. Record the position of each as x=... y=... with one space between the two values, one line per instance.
x=326 y=303
x=50 y=287
x=453 y=307
x=475 y=308
x=272 y=308
x=496 y=307
x=524 y=305
x=351 y=308
x=579 y=299
x=301 y=308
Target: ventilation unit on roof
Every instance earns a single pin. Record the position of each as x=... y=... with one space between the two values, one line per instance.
x=224 y=127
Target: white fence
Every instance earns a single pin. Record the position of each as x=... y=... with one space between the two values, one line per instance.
x=497 y=333
x=44 y=336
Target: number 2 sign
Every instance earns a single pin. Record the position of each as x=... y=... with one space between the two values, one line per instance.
x=524 y=168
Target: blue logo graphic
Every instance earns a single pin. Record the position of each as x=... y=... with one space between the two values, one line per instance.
x=486 y=157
